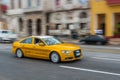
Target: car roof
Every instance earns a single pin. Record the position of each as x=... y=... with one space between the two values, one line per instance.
x=43 y=36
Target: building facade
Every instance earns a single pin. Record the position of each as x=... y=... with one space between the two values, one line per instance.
x=69 y=16
x=105 y=17
x=26 y=17
x=3 y=22
x=53 y=17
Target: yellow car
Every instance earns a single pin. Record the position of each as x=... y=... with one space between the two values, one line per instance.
x=46 y=47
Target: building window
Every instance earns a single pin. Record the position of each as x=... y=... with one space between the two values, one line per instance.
x=38 y=26
x=29 y=3
x=20 y=24
x=57 y=3
x=12 y=4
x=19 y=4
x=68 y=1
x=30 y=22
x=58 y=16
x=57 y=26
x=38 y=2
x=70 y=26
x=69 y=15
x=82 y=25
x=83 y=1
x=83 y=15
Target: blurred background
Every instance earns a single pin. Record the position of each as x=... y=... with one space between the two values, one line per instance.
x=68 y=19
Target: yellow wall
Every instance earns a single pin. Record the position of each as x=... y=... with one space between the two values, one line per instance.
x=101 y=7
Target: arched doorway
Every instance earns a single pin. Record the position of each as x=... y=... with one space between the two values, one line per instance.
x=20 y=21
x=102 y=24
x=83 y=15
x=38 y=26
x=29 y=27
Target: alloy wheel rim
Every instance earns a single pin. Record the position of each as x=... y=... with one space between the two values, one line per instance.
x=19 y=53
x=54 y=57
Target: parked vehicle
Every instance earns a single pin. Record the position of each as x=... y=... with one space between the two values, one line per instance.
x=7 y=35
x=46 y=47
x=94 y=39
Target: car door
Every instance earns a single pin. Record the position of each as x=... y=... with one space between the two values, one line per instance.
x=27 y=47
x=88 y=39
x=41 y=51
x=92 y=40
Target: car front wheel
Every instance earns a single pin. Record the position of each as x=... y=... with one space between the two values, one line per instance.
x=55 y=58
x=19 y=53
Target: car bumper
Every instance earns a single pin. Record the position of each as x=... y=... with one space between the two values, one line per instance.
x=7 y=39
x=71 y=57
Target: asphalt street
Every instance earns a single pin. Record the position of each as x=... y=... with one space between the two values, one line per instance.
x=94 y=66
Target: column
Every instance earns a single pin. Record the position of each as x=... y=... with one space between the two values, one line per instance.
x=109 y=25
x=43 y=24
x=25 y=28
x=34 y=27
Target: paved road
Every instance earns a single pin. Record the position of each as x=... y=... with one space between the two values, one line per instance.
x=94 y=66
x=101 y=48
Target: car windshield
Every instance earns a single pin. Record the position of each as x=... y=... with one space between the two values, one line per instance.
x=52 y=41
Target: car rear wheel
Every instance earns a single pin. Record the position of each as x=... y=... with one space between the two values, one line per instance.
x=19 y=53
x=55 y=58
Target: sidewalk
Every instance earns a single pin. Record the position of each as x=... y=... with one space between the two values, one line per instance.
x=110 y=48
x=112 y=42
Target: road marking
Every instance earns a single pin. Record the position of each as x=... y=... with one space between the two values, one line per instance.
x=106 y=59
x=90 y=70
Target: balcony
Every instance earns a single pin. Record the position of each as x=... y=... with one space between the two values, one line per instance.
x=33 y=9
x=84 y=32
x=14 y=11
x=59 y=32
x=113 y=2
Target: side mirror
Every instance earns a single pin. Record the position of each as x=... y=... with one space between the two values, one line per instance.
x=41 y=44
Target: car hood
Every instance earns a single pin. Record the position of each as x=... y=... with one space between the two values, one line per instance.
x=66 y=46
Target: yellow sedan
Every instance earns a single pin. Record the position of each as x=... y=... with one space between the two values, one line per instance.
x=46 y=47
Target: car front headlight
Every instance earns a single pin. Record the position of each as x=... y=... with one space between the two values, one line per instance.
x=66 y=51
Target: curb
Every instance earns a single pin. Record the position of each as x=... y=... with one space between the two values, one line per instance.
x=102 y=51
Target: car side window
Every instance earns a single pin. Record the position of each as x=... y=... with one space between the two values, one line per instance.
x=27 y=41
x=92 y=38
x=88 y=37
x=36 y=41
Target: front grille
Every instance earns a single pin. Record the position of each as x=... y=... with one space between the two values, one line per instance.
x=77 y=53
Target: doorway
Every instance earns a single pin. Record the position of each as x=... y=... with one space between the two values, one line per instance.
x=38 y=25
x=101 y=23
x=30 y=27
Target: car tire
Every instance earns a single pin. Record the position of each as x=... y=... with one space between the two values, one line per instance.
x=54 y=57
x=19 y=53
